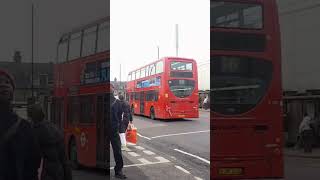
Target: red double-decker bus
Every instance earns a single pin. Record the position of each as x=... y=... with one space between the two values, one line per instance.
x=246 y=109
x=81 y=84
x=165 y=89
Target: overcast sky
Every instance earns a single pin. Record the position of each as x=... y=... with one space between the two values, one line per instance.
x=52 y=18
x=138 y=27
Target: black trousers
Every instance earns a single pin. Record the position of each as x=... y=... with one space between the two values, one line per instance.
x=307 y=140
x=116 y=147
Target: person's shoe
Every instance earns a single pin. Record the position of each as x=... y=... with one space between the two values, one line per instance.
x=120 y=175
x=125 y=148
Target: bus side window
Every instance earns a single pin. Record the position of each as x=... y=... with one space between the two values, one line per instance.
x=136 y=96
x=156 y=95
x=86 y=109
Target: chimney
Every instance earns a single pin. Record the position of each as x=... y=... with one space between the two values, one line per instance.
x=17 y=57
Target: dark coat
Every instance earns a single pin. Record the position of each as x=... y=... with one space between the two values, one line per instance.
x=20 y=155
x=52 y=148
x=116 y=114
x=127 y=116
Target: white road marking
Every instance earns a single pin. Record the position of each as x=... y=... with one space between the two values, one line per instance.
x=197 y=178
x=162 y=159
x=200 y=158
x=182 y=169
x=137 y=165
x=178 y=134
x=139 y=147
x=144 y=161
x=143 y=136
x=133 y=154
x=148 y=152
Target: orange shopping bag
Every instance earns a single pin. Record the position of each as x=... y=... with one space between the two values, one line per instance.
x=131 y=134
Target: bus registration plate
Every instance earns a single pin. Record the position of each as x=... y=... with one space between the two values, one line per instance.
x=230 y=171
x=181 y=116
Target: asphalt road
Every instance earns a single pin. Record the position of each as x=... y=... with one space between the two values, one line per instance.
x=178 y=149
x=302 y=169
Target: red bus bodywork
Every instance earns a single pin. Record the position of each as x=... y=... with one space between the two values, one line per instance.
x=74 y=96
x=246 y=110
x=165 y=99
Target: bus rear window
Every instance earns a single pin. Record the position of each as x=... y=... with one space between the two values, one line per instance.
x=236 y=15
x=181 y=66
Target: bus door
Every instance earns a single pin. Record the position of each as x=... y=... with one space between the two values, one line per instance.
x=101 y=130
x=142 y=102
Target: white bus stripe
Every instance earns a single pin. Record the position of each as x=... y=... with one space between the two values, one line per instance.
x=195 y=156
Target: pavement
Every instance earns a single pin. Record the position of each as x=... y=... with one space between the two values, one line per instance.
x=292 y=152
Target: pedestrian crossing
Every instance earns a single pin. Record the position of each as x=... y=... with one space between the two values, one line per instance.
x=135 y=155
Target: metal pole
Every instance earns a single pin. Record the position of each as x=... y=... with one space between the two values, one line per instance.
x=32 y=46
x=120 y=73
x=177 y=39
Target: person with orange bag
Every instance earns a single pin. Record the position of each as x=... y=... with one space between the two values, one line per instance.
x=126 y=118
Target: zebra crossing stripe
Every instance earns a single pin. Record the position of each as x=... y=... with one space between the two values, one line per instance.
x=149 y=152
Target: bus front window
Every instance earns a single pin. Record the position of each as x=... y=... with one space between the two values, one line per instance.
x=181 y=87
x=238 y=83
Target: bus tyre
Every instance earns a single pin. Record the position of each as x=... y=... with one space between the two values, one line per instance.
x=152 y=114
x=73 y=154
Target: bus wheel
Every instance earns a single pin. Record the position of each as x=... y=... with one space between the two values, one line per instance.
x=73 y=154
x=152 y=114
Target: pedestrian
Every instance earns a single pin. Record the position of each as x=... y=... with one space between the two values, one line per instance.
x=116 y=115
x=126 y=118
x=305 y=132
x=51 y=142
x=19 y=151
x=205 y=102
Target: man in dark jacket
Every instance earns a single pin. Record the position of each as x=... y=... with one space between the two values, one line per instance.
x=116 y=114
x=127 y=116
x=50 y=139
x=19 y=151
